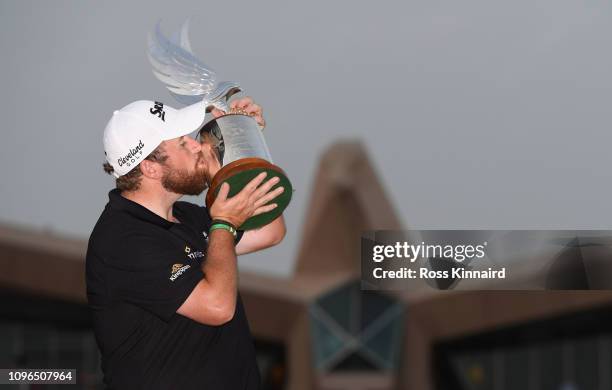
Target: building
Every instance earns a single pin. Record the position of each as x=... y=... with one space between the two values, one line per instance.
x=318 y=329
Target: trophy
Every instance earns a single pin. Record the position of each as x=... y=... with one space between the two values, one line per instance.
x=236 y=137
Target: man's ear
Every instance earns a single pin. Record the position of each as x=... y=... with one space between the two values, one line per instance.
x=151 y=169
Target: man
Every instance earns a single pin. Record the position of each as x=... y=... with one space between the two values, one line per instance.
x=161 y=275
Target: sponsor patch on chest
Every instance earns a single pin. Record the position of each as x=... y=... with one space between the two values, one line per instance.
x=178 y=270
x=193 y=254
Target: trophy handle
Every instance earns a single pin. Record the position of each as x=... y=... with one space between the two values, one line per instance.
x=219 y=97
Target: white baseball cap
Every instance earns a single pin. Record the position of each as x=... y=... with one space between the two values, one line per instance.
x=137 y=129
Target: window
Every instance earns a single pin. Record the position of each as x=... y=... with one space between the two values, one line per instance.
x=355 y=330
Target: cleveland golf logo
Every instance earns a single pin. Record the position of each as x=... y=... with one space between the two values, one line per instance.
x=130 y=158
x=158 y=109
x=178 y=270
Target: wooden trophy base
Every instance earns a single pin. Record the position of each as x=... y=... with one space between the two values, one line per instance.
x=238 y=174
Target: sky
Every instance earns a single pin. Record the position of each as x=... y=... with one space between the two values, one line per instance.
x=475 y=114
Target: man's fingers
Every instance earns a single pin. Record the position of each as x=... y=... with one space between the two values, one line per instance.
x=254 y=109
x=256 y=112
x=265 y=187
x=223 y=192
x=253 y=184
x=269 y=196
x=217 y=113
x=265 y=209
x=247 y=105
x=241 y=103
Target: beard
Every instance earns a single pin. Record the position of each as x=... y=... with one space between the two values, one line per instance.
x=181 y=181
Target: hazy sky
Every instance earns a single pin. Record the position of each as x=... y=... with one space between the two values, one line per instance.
x=476 y=113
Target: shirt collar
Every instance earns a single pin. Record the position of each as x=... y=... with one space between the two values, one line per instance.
x=118 y=202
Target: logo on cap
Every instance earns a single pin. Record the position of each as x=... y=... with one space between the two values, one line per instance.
x=158 y=109
x=129 y=159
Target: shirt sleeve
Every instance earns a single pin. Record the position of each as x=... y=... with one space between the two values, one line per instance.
x=152 y=278
x=239 y=234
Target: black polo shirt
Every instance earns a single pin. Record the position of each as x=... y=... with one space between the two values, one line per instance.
x=140 y=269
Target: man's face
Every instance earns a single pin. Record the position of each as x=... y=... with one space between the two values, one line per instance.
x=210 y=150
x=186 y=170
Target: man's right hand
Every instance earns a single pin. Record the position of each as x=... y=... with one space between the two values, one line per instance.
x=249 y=202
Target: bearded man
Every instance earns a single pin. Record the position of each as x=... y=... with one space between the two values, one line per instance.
x=162 y=273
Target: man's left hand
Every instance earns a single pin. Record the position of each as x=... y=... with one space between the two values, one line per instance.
x=247 y=106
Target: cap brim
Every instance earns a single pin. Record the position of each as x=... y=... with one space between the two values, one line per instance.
x=188 y=120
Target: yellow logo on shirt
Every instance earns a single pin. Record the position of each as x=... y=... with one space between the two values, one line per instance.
x=177 y=270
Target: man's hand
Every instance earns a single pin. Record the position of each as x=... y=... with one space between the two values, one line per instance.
x=249 y=202
x=246 y=105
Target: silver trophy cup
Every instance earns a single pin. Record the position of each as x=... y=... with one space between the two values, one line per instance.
x=236 y=137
